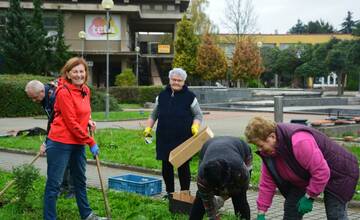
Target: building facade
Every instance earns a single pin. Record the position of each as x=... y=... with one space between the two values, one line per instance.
x=145 y=24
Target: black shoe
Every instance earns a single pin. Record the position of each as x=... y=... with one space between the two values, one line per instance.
x=167 y=196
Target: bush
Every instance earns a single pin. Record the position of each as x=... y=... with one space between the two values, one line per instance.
x=15 y=103
x=134 y=94
x=13 y=99
x=126 y=78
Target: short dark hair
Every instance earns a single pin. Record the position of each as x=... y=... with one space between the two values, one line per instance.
x=216 y=173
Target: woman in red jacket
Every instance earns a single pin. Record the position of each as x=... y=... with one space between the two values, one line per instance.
x=67 y=138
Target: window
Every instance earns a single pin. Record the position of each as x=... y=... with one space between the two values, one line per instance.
x=170 y=7
x=158 y=7
x=50 y=23
x=145 y=7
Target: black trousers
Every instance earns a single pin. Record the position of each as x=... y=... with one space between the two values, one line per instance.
x=240 y=203
x=168 y=175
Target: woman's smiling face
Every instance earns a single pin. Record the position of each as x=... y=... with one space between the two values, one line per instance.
x=77 y=75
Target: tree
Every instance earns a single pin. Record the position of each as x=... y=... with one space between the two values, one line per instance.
x=246 y=61
x=201 y=21
x=319 y=27
x=211 y=60
x=16 y=41
x=269 y=56
x=126 y=78
x=298 y=28
x=61 y=54
x=286 y=63
x=40 y=43
x=240 y=17
x=186 y=43
x=356 y=30
x=348 y=25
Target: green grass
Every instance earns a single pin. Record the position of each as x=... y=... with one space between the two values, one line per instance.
x=124 y=146
x=120 y=116
x=123 y=205
x=132 y=106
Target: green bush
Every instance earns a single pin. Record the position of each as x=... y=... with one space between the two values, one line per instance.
x=133 y=94
x=15 y=103
x=126 y=78
x=13 y=99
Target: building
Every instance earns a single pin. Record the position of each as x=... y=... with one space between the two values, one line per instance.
x=282 y=41
x=133 y=23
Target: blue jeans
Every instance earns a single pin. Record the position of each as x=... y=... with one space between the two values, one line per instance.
x=58 y=157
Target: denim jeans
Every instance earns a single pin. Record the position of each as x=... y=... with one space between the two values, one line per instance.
x=59 y=155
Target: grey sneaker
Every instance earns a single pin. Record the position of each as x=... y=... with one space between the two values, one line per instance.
x=92 y=216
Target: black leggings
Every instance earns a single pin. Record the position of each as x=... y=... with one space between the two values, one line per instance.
x=240 y=203
x=168 y=175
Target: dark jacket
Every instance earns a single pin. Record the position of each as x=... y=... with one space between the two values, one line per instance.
x=344 y=167
x=238 y=156
x=174 y=120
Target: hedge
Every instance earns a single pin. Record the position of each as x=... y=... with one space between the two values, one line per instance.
x=15 y=103
x=134 y=94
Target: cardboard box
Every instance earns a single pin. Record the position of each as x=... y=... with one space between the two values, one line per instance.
x=190 y=147
x=181 y=202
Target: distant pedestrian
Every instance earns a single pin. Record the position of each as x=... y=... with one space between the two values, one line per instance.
x=179 y=117
x=302 y=162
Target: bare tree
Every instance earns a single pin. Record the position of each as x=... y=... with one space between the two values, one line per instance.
x=240 y=17
x=199 y=18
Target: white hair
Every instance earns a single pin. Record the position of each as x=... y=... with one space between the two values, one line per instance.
x=34 y=86
x=179 y=72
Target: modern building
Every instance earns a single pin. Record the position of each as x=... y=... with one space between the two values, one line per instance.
x=282 y=41
x=133 y=23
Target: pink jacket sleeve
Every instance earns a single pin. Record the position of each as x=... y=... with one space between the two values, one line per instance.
x=267 y=188
x=310 y=157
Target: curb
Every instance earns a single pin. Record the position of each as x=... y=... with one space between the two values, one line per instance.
x=351 y=204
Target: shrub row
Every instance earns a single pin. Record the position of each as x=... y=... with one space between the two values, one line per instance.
x=133 y=94
x=15 y=103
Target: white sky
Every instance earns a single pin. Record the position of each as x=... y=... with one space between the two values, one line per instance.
x=281 y=15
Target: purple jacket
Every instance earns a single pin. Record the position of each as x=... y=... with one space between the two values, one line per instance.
x=344 y=167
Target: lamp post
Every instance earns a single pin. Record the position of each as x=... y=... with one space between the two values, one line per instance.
x=137 y=49
x=82 y=36
x=107 y=5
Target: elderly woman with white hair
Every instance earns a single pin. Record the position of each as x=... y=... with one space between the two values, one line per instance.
x=179 y=117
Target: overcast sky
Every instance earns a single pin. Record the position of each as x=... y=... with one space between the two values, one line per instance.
x=281 y=15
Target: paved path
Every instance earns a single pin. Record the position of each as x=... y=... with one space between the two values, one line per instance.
x=8 y=160
x=222 y=123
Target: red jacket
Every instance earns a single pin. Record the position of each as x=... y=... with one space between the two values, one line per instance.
x=72 y=114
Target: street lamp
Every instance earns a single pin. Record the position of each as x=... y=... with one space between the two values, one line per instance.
x=107 y=5
x=82 y=36
x=137 y=49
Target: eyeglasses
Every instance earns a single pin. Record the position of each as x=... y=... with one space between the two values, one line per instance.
x=176 y=80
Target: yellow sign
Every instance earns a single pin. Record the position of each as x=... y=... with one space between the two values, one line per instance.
x=163 y=48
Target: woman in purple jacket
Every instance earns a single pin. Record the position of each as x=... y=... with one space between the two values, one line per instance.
x=302 y=163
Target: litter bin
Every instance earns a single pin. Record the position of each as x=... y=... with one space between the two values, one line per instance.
x=299 y=121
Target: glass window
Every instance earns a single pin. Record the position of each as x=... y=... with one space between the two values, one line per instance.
x=170 y=7
x=158 y=8
x=145 y=7
x=50 y=23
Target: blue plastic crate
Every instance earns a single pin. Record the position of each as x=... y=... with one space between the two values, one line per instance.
x=134 y=183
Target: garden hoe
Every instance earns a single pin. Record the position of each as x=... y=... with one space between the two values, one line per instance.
x=106 y=202
x=9 y=184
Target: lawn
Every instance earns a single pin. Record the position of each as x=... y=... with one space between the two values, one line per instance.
x=124 y=146
x=123 y=205
x=115 y=116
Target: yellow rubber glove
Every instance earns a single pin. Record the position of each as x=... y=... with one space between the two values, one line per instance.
x=147 y=132
x=195 y=129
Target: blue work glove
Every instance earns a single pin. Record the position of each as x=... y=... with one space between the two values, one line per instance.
x=94 y=150
x=305 y=205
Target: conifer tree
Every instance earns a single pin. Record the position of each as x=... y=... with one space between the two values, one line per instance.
x=61 y=49
x=211 y=61
x=186 y=43
x=15 y=44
